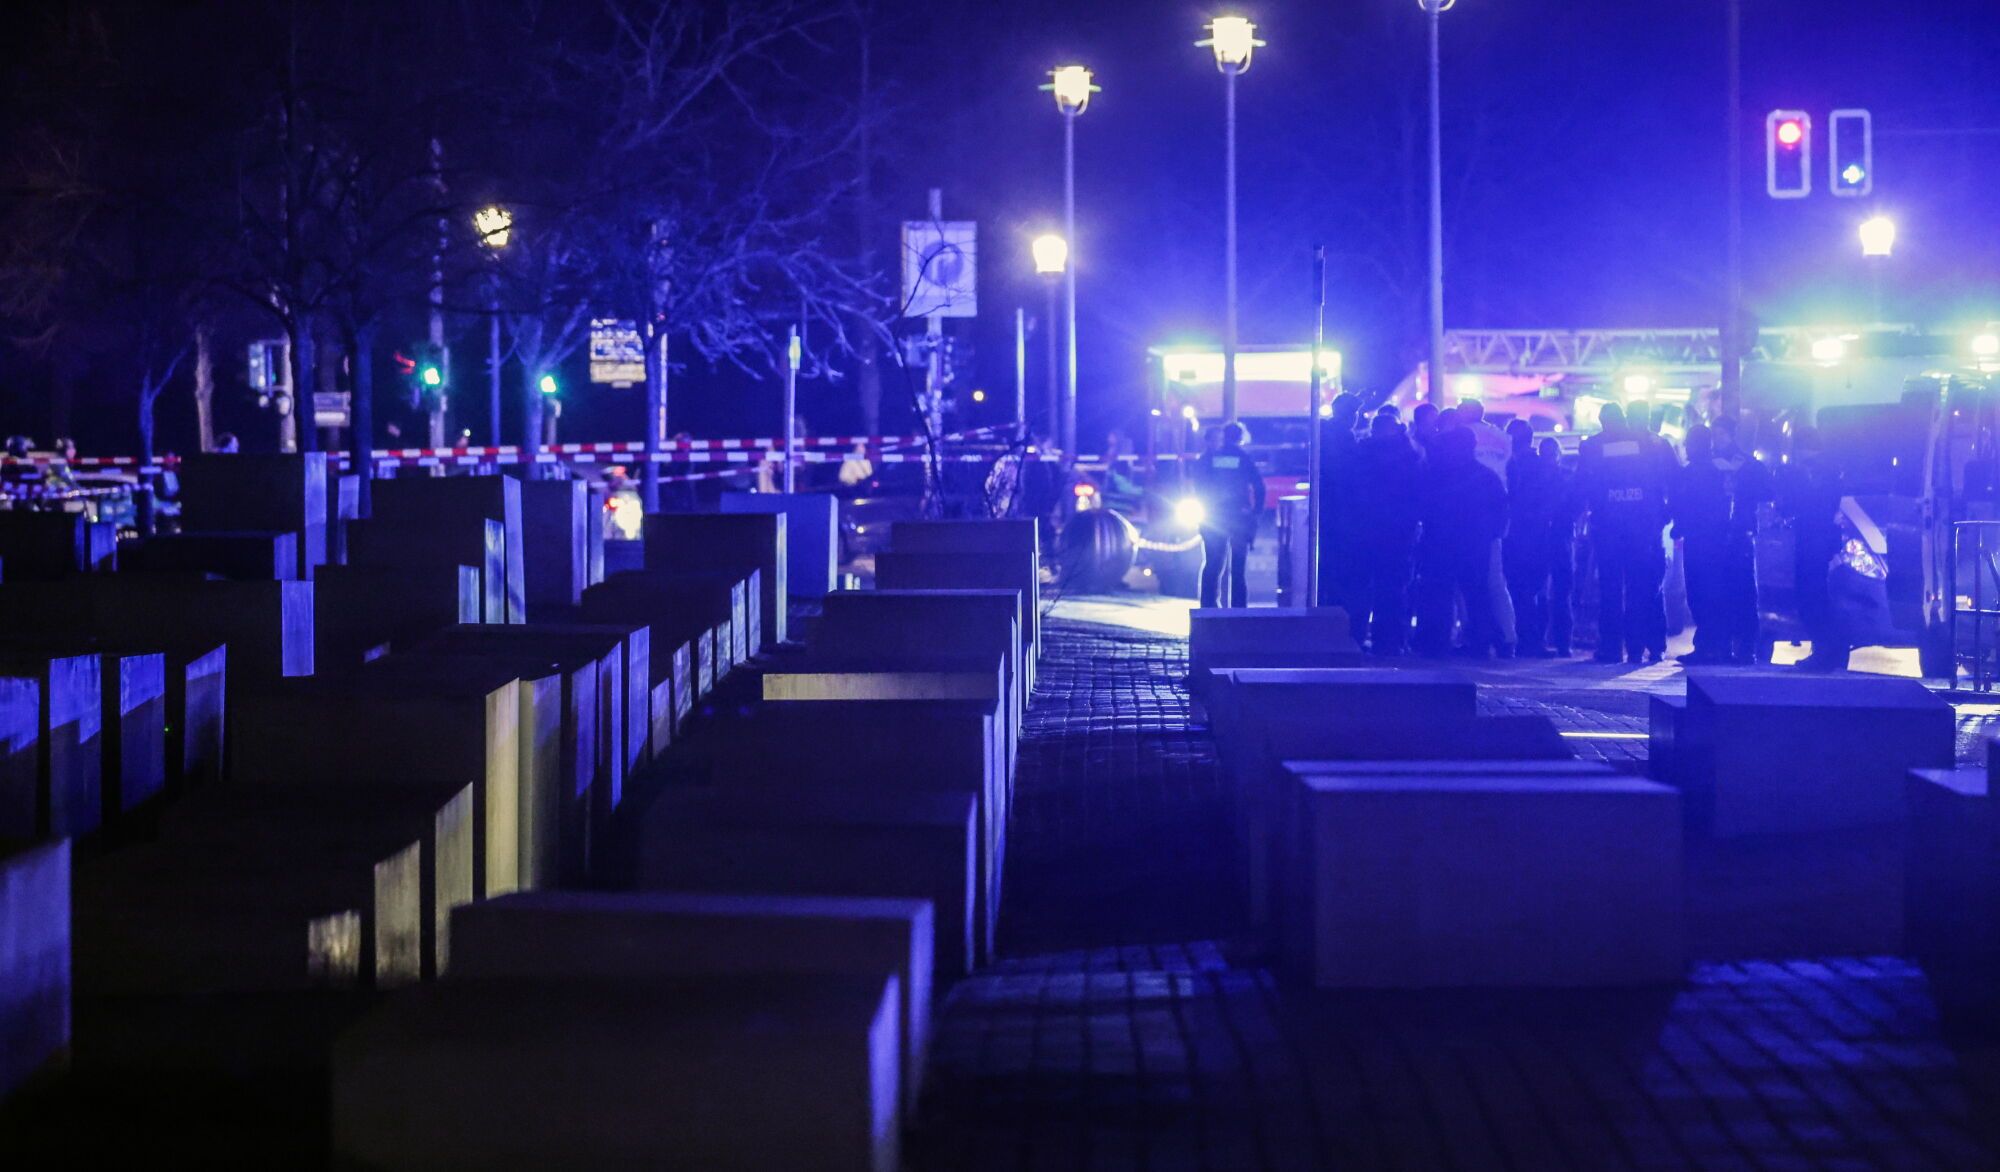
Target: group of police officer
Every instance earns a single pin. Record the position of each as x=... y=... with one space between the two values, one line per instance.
x=1448 y=535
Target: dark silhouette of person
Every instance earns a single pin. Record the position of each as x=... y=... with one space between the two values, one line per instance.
x=1809 y=492
x=1532 y=488
x=1231 y=489
x=1623 y=475
x=1387 y=486
x=1340 y=571
x=1568 y=507
x=1463 y=506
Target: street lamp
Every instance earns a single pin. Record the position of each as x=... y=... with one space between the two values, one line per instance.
x=495 y=226
x=1434 y=9
x=1234 y=39
x=1878 y=236
x=1072 y=87
x=1051 y=254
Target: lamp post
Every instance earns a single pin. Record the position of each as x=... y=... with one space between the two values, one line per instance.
x=1435 y=9
x=495 y=226
x=1072 y=87
x=1052 y=262
x=1878 y=241
x=1233 y=38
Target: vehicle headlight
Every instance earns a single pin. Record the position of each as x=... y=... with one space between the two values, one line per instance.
x=1189 y=511
x=1856 y=556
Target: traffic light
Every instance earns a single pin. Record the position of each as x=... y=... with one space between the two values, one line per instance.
x=1788 y=154
x=1850 y=153
x=547 y=384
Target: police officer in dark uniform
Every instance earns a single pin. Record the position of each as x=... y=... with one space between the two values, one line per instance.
x=1624 y=474
x=1714 y=506
x=1562 y=547
x=1809 y=494
x=1231 y=490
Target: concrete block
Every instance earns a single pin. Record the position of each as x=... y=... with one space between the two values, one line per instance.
x=1951 y=890
x=906 y=845
x=1798 y=754
x=360 y=608
x=1386 y=702
x=1261 y=790
x=134 y=724
x=731 y=1074
x=281 y=889
x=459 y=504
x=343 y=506
x=934 y=676
x=901 y=570
x=812 y=535
x=261 y=555
x=67 y=798
x=402 y=722
x=197 y=711
x=733 y=544
x=20 y=755
x=268 y=626
x=593 y=663
x=402 y=545
x=555 y=556
x=882 y=748
x=1463 y=880
x=976 y=536
x=861 y=622
x=599 y=501
x=1278 y=637
x=224 y=493
x=571 y=934
x=1666 y=719
x=678 y=610
x=46 y=546
x=34 y=960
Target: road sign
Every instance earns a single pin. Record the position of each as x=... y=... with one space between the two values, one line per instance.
x=617 y=355
x=332 y=408
x=940 y=268
x=270 y=364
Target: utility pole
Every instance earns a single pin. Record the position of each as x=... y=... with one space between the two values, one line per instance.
x=441 y=394
x=1435 y=390
x=1731 y=391
x=794 y=352
x=1021 y=370
x=934 y=346
x=1315 y=486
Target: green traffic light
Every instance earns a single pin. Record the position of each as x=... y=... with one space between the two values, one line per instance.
x=1853 y=175
x=433 y=377
x=548 y=384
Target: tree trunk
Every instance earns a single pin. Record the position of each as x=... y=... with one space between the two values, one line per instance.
x=529 y=344
x=656 y=415
x=295 y=429
x=204 y=387
x=361 y=419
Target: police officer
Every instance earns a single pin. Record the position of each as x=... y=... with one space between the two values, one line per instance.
x=1715 y=516
x=1231 y=490
x=1809 y=493
x=1531 y=504
x=1624 y=477
x=1562 y=547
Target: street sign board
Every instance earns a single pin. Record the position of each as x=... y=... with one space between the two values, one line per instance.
x=940 y=268
x=332 y=408
x=270 y=364
x=617 y=354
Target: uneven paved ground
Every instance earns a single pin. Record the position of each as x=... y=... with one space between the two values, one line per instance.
x=1125 y=1030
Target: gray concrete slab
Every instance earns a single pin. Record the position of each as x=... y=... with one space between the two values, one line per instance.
x=259 y=491
x=734 y=1074
x=359 y=609
x=899 y=569
x=48 y=546
x=733 y=544
x=406 y=543
x=570 y=934
x=555 y=555
x=68 y=795
x=1458 y=880
x=912 y=846
x=887 y=747
x=812 y=536
x=35 y=993
x=1774 y=754
x=260 y=555
x=459 y=504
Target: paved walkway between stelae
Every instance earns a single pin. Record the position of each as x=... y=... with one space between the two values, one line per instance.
x=1124 y=1028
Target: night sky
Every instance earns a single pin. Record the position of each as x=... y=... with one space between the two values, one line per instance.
x=1584 y=177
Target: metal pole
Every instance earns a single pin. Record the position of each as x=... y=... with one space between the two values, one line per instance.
x=1313 y=482
x=493 y=365
x=1068 y=422
x=1053 y=421
x=1229 y=247
x=440 y=395
x=1731 y=390
x=934 y=337
x=792 y=356
x=1435 y=391
x=1021 y=369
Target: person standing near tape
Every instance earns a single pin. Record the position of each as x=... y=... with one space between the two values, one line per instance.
x=1231 y=489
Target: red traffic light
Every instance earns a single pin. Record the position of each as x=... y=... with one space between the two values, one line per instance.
x=1790 y=133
